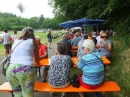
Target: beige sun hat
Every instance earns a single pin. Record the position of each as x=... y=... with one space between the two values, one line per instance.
x=104 y=34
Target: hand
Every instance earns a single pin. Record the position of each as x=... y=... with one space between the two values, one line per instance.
x=99 y=48
x=104 y=45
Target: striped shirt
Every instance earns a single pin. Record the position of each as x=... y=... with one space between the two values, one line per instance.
x=92 y=67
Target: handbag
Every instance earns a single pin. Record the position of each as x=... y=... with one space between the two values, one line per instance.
x=6 y=61
x=75 y=81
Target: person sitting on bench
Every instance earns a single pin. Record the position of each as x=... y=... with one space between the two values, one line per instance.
x=59 y=75
x=43 y=53
x=92 y=66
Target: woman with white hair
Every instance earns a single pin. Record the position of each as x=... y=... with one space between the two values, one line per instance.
x=92 y=66
x=21 y=70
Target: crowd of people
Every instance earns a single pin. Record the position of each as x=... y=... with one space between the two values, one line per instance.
x=28 y=47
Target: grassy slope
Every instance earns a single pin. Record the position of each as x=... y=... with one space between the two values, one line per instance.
x=118 y=71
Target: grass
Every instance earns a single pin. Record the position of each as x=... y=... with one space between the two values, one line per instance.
x=118 y=71
x=43 y=37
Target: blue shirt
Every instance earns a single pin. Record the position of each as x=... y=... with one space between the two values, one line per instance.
x=92 y=67
x=75 y=41
x=80 y=52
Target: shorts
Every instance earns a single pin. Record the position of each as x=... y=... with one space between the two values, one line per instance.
x=7 y=46
x=49 y=40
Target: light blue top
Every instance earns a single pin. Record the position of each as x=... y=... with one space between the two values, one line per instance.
x=92 y=67
x=75 y=41
x=80 y=52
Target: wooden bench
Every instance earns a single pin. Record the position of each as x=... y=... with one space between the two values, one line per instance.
x=108 y=86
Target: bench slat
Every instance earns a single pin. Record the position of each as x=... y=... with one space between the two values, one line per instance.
x=108 y=86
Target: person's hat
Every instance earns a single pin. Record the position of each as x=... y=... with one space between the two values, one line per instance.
x=89 y=44
x=104 y=34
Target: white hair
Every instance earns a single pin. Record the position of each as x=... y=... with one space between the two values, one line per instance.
x=37 y=37
x=89 y=44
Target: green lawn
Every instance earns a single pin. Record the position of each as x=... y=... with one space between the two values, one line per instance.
x=43 y=37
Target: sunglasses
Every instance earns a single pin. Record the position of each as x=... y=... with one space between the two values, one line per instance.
x=104 y=37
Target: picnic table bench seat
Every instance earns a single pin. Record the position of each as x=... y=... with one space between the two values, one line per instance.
x=108 y=86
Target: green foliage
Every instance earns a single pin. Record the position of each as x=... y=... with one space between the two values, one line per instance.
x=50 y=23
x=116 y=12
x=11 y=22
x=17 y=27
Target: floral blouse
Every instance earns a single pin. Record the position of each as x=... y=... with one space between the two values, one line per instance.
x=60 y=70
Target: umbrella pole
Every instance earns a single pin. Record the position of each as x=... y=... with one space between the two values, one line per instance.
x=97 y=29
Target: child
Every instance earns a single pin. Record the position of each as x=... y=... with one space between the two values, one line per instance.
x=60 y=64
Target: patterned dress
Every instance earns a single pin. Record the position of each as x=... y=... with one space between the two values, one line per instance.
x=60 y=70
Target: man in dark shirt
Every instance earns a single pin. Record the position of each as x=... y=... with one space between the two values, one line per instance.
x=68 y=44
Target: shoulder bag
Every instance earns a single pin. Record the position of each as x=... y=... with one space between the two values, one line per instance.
x=6 y=61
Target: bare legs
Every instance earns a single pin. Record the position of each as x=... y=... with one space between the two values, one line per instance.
x=7 y=51
x=44 y=75
x=49 y=45
x=81 y=94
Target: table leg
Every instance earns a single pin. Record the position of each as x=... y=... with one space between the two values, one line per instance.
x=12 y=94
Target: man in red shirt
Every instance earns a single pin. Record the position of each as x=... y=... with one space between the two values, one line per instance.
x=43 y=53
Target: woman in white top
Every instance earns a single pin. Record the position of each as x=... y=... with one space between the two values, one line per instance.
x=21 y=71
x=15 y=36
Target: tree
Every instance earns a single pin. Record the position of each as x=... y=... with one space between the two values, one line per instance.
x=21 y=8
x=34 y=22
x=41 y=19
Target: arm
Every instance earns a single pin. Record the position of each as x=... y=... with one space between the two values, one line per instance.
x=2 y=39
x=71 y=63
x=44 y=56
x=44 y=52
x=36 y=52
x=81 y=63
x=108 y=47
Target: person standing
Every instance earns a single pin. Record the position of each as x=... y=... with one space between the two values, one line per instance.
x=15 y=36
x=21 y=70
x=6 y=41
x=49 y=36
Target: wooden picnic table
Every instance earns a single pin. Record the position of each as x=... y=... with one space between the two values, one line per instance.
x=46 y=61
